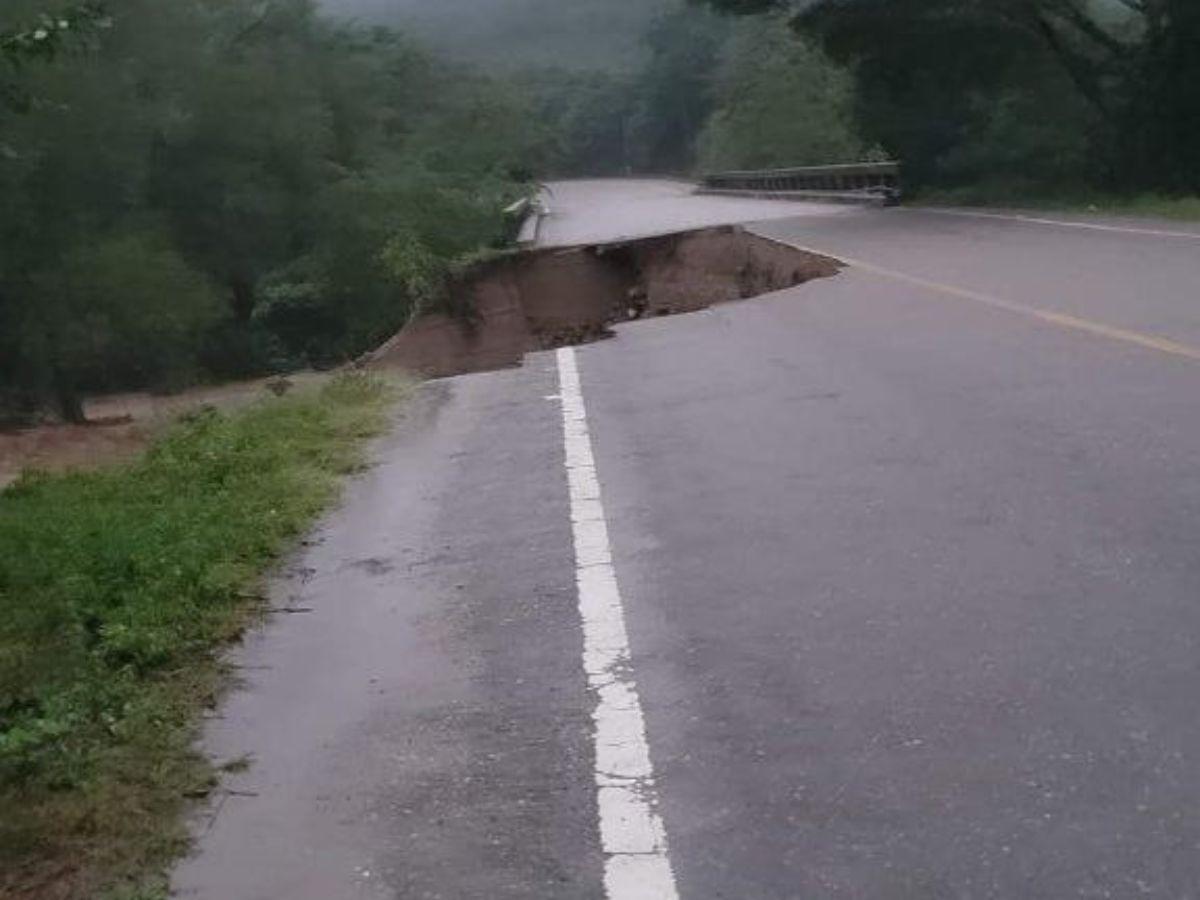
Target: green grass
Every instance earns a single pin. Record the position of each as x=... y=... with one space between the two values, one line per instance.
x=1080 y=201
x=118 y=590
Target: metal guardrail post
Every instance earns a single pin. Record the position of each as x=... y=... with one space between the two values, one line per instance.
x=527 y=216
x=877 y=182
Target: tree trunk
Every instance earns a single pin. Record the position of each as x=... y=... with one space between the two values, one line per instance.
x=67 y=400
x=243 y=298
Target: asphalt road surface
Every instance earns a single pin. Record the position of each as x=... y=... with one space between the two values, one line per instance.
x=909 y=594
x=611 y=209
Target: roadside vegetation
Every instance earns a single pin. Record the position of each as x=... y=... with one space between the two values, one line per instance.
x=120 y=588
x=1068 y=104
x=1047 y=102
x=778 y=101
x=289 y=181
x=196 y=191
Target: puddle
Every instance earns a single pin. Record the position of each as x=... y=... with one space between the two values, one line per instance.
x=544 y=299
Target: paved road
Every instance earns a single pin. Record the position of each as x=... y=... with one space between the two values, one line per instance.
x=610 y=209
x=909 y=584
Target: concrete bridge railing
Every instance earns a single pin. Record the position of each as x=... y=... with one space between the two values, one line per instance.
x=876 y=182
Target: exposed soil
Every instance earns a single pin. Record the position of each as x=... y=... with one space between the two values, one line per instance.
x=544 y=299
x=536 y=300
x=120 y=427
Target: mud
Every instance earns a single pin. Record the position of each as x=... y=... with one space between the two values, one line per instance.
x=543 y=299
x=121 y=426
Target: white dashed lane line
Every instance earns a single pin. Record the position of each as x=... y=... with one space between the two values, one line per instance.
x=636 y=862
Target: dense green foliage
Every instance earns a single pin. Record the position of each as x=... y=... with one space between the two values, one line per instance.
x=42 y=40
x=1035 y=94
x=117 y=587
x=677 y=89
x=247 y=153
x=216 y=188
x=779 y=102
x=627 y=86
x=709 y=93
x=210 y=189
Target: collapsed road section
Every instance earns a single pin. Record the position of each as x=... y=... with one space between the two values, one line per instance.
x=545 y=299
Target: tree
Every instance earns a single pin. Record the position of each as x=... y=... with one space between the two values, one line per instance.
x=675 y=93
x=1162 y=127
x=71 y=168
x=780 y=102
x=244 y=149
x=922 y=66
x=49 y=35
x=124 y=310
x=237 y=176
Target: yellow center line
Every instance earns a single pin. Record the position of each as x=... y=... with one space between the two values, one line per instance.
x=1063 y=320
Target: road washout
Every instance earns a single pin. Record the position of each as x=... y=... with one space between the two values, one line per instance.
x=549 y=298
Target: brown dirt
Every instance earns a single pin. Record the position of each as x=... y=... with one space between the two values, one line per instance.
x=120 y=427
x=537 y=300
x=544 y=299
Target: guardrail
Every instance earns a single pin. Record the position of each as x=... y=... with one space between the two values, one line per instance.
x=526 y=216
x=853 y=183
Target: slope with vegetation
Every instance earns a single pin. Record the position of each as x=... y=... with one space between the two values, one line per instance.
x=204 y=190
x=195 y=191
x=118 y=588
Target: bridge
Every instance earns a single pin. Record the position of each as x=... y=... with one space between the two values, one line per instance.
x=877 y=182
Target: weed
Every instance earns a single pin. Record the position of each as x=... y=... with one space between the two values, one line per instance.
x=118 y=589
x=1077 y=201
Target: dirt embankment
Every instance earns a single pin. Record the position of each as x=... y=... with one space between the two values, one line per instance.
x=552 y=298
x=536 y=300
x=120 y=427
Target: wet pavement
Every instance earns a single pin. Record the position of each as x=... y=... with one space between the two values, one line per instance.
x=418 y=728
x=910 y=580
x=584 y=212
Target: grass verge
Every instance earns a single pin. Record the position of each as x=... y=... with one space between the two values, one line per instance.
x=118 y=590
x=1184 y=209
